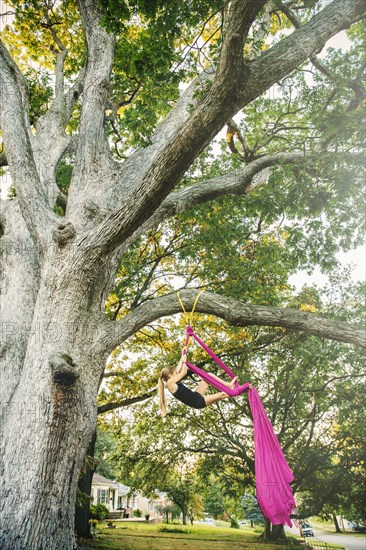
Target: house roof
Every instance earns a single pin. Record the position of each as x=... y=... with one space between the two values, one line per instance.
x=101 y=480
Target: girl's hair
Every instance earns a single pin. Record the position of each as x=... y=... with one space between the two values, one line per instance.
x=164 y=377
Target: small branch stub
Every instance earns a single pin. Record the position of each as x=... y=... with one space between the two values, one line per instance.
x=64 y=233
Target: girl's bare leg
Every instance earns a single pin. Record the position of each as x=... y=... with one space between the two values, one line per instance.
x=209 y=399
x=202 y=387
x=230 y=384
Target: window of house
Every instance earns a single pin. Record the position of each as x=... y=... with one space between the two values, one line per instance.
x=103 y=496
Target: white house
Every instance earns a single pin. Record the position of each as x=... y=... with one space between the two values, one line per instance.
x=117 y=498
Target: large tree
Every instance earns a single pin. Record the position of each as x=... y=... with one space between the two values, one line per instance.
x=60 y=247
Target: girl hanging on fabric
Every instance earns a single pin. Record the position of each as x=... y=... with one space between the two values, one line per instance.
x=273 y=474
x=171 y=379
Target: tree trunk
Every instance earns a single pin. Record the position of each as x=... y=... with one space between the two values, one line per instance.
x=336 y=524
x=82 y=512
x=272 y=532
x=267 y=530
x=278 y=532
x=48 y=418
x=184 y=517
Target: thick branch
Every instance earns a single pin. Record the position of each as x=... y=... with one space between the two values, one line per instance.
x=291 y=16
x=100 y=46
x=51 y=127
x=240 y=15
x=3 y=208
x=284 y=57
x=14 y=124
x=236 y=313
x=59 y=73
x=240 y=182
x=126 y=402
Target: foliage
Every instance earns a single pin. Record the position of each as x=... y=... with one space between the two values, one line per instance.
x=104 y=445
x=252 y=510
x=171 y=510
x=99 y=511
x=195 y=508
x=234 y=523
x=182 y=492
x=214 y=499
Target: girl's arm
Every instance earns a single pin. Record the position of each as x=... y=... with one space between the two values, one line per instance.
x=182 y=371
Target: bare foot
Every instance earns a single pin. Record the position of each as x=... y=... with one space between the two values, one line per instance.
x=232 y=383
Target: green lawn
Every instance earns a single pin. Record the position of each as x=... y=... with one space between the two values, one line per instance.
x=139 y=536
x=318 y=523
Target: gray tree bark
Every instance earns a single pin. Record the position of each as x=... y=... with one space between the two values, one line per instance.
x=57 y=271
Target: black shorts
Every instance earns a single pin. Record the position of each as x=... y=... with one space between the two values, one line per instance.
x=188 y=397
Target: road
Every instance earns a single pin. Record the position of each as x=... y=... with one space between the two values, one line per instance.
x=349 y=542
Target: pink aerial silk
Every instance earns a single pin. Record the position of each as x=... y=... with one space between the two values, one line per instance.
x=273 y=474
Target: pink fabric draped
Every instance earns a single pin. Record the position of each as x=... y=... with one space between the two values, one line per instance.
x=273 y=474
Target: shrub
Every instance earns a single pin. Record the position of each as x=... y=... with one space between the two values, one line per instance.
x=164 y=529
x=137 y=513
x=99 y=511
x=234 y=523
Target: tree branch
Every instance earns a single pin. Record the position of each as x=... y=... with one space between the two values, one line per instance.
x=19 y=154
x=236 y=313
x=240 y=182
x=125 y=402
x=51 y=126
x=3 y=208
x=239 y=17
x=318 y=64
x=284 y=57
x=92 y=146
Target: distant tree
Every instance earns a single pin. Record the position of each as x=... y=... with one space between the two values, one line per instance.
x=252 y=511
x=195 y=509
x=171 y=510
x=214 y=500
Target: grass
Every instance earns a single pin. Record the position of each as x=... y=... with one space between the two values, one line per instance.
x=328 y=525
x=318 y=523
x=137 y=536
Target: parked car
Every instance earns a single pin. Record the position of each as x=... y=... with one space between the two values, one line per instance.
x=243 y=523
x=307 y=529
